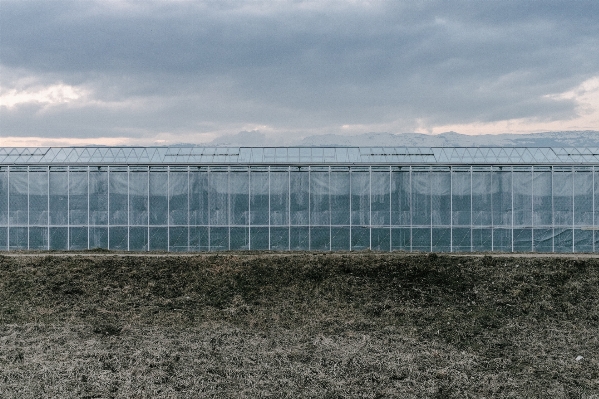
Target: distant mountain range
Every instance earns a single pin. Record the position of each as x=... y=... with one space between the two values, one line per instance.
x=588 y=138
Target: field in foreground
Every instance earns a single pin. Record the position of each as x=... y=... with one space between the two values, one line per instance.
x=298 y=325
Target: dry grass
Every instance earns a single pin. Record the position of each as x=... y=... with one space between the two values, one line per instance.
x=298 y=325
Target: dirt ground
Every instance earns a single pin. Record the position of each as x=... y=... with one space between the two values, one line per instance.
x=298 y=325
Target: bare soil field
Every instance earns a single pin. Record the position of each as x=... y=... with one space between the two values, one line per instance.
x=298 y=325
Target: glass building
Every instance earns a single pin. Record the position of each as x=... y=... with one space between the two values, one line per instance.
x=301 y=198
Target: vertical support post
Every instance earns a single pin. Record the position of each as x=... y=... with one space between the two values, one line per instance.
x=430 y=199
x=88 y=218
x=28 y=190
x=269 y=208
x=593 y=207
x=208 y=192
x=309 y=208
x=370 y=207
x=330 y=215
x=411 y=212
x=573 y=214
x=492 y=211
x=168 y=208
x=513 y=210
x=532 y=207
x=471 y=212
x=108 y=207
x=451 y=209
x=148 y=217
x=350 y=211
x=390 y=209
x=188 y=209
x=68 y=207
x=289 y=208
x=249 y=208
x=552 y=215
x=128 y=208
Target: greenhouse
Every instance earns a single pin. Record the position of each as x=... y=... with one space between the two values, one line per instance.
x=190 y=198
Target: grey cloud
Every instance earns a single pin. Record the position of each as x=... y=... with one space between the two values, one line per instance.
x=293 y=67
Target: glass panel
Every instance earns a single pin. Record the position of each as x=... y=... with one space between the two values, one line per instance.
x=400 y=199
x=178 y=239
x=461 y=239
x=460 y=187
x=502 y=200
x=18 y=200
x=400 y=239
x=98 y=201
x=279 y=238
x=502 y=240
x=138 y=203
x=482 y=240
x=78 y=199
x=542 y=239
x=98 y=237
x=3 y=200
x=299 y=201
x=158 y=235
x=320 y=239
x=562 y=198
x=279 y=200
x=381 y=238
x=360 y=199
x=441 y=199
x=542 y=200
x=239 y=197
x=259 y=199
x=198 y=238
x=58 y=199
x=583 y=240
x=259 y=238
x=219 y=200
x=38 y=199
x=219 y=239
x=198 y=212
x=138 y=239
x=240 y=238
x=583 y=198
x=522 y=199
x=360 y=238
x=481 y=198
x=3 y=238
x=58 y=235
x=421 y=239
x=118 y=238
x=158 y=202
x=299 y=237
x=563 y=240
x=178 y=199
x=340 y=238
x=522 y=240
x=18 y=238
x=118 y=199
x=421 y=201
x=78 y=238
x=596 y=194
x=339 y=191
x=441 y=240
x=38 y=238
x=319 y=199
x=380 y=199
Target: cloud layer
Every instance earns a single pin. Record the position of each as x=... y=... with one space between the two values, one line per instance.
x=179 y=71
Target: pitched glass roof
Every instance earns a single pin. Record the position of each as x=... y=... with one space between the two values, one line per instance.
x=296 y=155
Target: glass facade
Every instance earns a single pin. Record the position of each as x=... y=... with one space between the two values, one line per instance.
x=336 y=207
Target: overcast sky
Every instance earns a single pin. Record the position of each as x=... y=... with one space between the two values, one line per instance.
x=143 y=72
